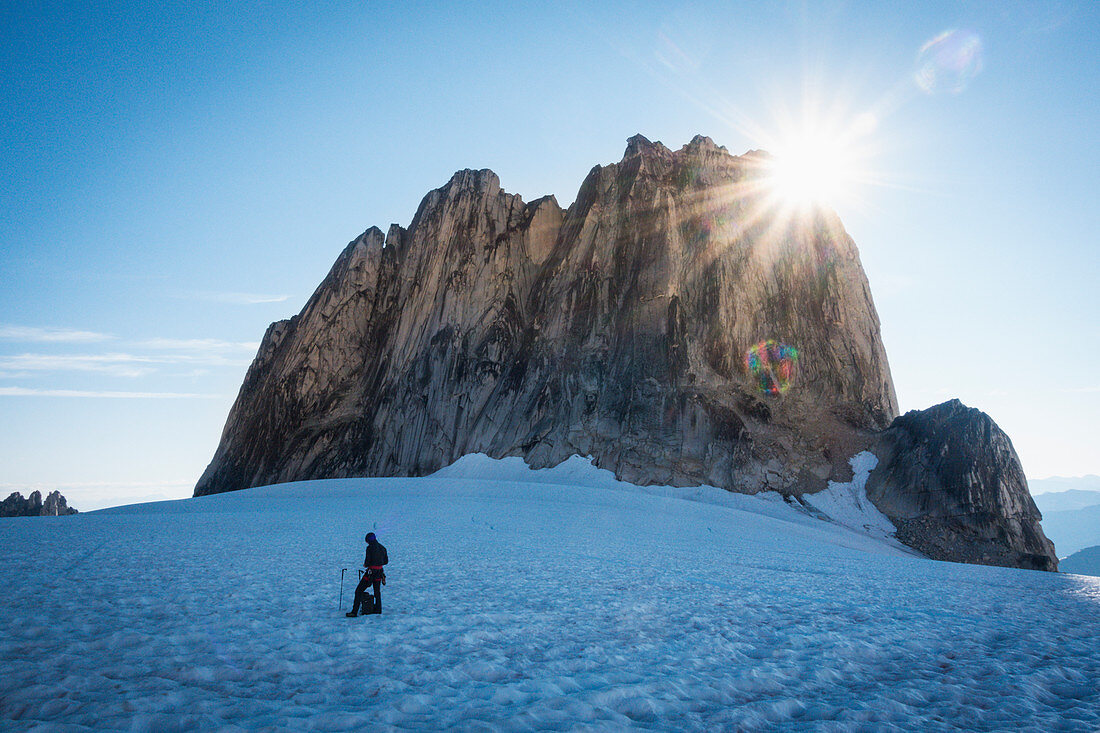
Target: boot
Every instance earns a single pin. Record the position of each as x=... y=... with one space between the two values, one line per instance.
x=351 y=614
x=377 y=607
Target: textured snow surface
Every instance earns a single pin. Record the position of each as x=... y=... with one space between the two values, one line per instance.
x=523 y=605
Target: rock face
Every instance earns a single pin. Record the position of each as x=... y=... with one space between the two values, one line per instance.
x=951 y=482
x=622 y=328
x=33 y=506
x=615 y=329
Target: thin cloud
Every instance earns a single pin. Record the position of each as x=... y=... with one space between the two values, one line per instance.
x=142 y=358
x=236 y=298
x=51 y=335
x=115 y=364
x=118 y=365
x=27 y=392
x=189 y=374
x=201 y=359
x=199 y=344
x=68 y=335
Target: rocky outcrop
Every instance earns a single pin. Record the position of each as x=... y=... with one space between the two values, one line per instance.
x=676 y=323
x=33 y=506
x=952 y=484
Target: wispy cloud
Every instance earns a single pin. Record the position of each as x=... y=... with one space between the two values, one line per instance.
x=114 y=364
x=201 y=359
x=199 y=344
x=235 y=298
x=51 y=335
x=189 y=374
x=27 y=392
x=130 y=358
x=118 y=365
x=9 y=332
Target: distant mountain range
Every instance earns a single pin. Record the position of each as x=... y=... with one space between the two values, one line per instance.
x=1060 y=484
x=1071 y=518
x=1084 y=562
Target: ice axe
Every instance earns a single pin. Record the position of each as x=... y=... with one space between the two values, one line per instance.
x=342 y=571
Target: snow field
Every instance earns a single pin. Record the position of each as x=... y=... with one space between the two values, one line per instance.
x=523 y=605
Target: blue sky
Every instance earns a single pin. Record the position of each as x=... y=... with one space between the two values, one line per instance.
x=176 y=176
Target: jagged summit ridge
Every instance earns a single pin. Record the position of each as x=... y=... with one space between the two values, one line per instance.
x=616 y=328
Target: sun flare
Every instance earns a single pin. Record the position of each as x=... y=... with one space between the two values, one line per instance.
x=818 y=162
x=806 y=173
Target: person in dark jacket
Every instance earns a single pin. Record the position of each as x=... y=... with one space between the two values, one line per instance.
x=376 y=557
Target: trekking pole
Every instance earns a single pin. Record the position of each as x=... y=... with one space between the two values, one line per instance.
x=342 y=571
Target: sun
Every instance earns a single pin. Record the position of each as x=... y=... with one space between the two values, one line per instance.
x=818 y=162
x=808 y=172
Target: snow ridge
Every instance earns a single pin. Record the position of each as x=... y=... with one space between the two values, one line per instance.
x=844 y=503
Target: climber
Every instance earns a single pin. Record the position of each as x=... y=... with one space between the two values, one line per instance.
x=375 y=558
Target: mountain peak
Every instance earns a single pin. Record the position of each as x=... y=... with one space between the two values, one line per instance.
x=474 y=180
x=640 y=145
x=656 y=325
x=703 y=143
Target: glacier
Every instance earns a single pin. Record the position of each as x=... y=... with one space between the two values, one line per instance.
x=527 y=600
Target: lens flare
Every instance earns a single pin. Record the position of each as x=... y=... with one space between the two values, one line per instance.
x=771 y=364
x=948 y=62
